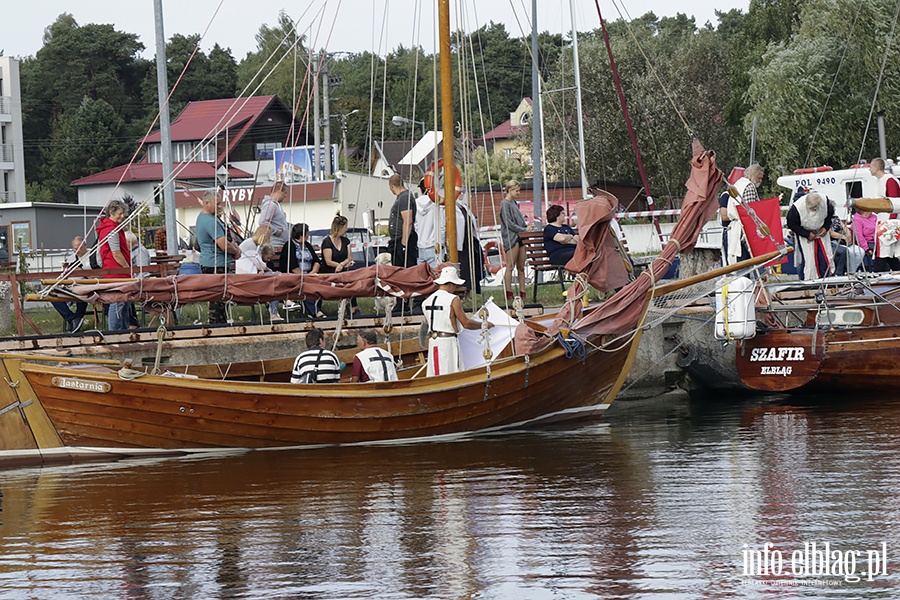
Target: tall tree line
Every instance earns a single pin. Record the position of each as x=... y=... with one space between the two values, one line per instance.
x=807 y=70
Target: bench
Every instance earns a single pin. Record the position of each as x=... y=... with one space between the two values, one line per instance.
x=536 y=256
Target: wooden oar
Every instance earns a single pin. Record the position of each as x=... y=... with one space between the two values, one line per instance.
x=668 y=288
x=884 y=205
x=39 y=298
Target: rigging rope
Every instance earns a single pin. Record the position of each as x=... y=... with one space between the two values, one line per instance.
x=574 y=346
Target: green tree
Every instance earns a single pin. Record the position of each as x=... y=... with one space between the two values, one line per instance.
x=37 y=192
x=693 y=67
x=76 y=62
x=86 y=140
x=206 y=77
x=489 y=169
x=766 y=22
x=280 y=64
x=812 y=95
x=502 y=72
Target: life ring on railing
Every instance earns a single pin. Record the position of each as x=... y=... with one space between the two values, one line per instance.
x=490 y=267
x=813 y=170
x=433 y=177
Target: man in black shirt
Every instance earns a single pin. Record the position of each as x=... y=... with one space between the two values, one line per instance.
x=403 y=242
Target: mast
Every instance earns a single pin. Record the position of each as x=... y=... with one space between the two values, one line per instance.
x=581 y=161
x=753 y=143
x=447 y=127
x=162 y=92
x=535 y=116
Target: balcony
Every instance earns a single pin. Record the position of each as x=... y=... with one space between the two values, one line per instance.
x=7 y=197
x=5 y=109
x=7 y=155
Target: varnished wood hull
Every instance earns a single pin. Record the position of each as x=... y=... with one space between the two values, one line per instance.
x=100 y=410
x=806 y=359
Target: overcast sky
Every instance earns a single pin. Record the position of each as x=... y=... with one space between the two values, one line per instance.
x=336 y=25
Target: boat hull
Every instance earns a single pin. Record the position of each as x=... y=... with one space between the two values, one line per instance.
x=810 y=359
x=99 y=410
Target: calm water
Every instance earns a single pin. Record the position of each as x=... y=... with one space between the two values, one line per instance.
x=658 y=502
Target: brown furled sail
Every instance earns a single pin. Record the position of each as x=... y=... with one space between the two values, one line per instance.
x=376 y=280
x=623 y=311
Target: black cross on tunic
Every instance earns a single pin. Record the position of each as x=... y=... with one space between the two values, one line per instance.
x=384 y=360
x=434 y=307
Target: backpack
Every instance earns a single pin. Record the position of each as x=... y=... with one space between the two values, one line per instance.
x=310 y=376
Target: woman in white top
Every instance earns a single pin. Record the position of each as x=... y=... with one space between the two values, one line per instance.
x=250 y=260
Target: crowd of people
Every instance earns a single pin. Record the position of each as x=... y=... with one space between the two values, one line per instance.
x=824 y=243
x=444 y=319
x=415 y=226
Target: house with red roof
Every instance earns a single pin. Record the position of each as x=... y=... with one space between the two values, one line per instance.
x=235 y=134
x=509 y=137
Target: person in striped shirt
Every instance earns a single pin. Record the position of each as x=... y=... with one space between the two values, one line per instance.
x=316 y=364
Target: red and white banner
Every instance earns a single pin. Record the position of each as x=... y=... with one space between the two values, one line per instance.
x=769 y=212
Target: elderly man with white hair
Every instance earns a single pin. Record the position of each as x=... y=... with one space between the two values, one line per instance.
x=810 y=219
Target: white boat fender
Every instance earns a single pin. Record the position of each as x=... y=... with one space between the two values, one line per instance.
x=736 y=310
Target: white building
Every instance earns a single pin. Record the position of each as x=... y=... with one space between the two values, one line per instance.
x=12 y=157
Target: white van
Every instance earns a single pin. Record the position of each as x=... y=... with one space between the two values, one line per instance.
x=838 y=185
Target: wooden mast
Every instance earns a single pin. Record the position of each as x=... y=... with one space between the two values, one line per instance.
x=447 y=128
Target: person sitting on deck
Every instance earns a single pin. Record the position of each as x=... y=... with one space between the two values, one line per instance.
x=316 y=364
x=559 y=238
x=444 y=314
x=372 y=363
x=79 y=258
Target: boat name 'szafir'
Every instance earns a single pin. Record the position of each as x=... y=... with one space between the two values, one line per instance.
x=776 y=354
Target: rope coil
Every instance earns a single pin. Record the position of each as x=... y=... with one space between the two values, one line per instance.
x=573 y=346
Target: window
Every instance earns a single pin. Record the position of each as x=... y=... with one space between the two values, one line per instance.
x=184 y=152
x=266 y=151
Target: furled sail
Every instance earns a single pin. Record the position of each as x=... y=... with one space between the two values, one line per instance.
x=376 y=280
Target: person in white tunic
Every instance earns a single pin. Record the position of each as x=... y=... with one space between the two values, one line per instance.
x=444 y=315
x=747 y=193
x=372 y=363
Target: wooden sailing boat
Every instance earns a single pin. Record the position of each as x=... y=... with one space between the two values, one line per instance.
x=837 y=333
x=567 y=366
x=80 y=409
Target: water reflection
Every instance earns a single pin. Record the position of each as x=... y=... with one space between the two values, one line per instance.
x=662 y=500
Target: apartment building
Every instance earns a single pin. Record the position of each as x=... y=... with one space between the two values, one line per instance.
x=12 y=159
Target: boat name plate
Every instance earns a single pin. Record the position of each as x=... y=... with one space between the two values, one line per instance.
x=73 y=383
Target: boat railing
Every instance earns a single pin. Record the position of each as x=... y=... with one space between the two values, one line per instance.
x=18 y=282
x=832 y=311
